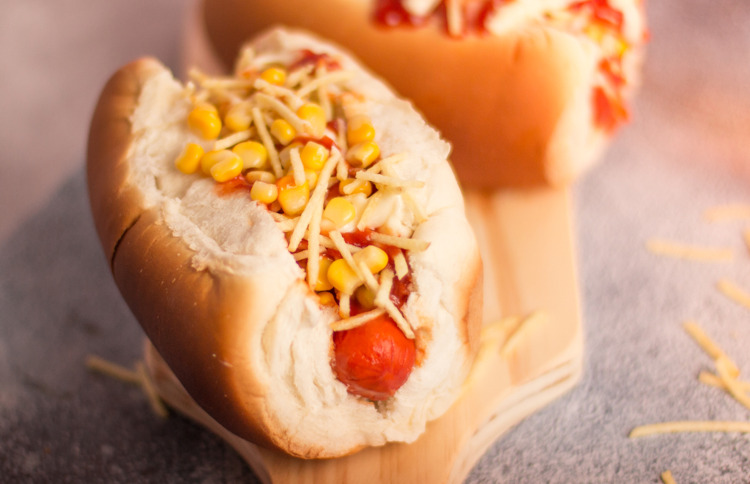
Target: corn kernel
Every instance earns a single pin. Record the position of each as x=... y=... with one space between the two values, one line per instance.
x=211 y=158
x=359 y=129
x=374 y=258
x=327 y=299
x=343 y=277
x=291 y=197
x=190 y=158
x=365 y=297
x=227 y=168
x=351 y=186
x=253 y=154
x=264 y=192
x=314 y=155
x=260 y=175
x=238 y=117
x=323 y=284
x=340 y=211
x=283 y=131
x=204 y=121
x=313 y=114
x=274 y=75
x=363 y=154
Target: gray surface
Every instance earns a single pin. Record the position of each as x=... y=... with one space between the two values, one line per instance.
x=685 y=151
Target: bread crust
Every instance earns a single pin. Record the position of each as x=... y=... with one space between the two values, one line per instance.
x=207 y=323
x=503 y=102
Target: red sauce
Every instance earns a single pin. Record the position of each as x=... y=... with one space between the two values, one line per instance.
x=232 y=185
x=325 y=141
x=609 y=111
x=308 y=57
x=373 y=360
x=601 y=11
x=391 y=13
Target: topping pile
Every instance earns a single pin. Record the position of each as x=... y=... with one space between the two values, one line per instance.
x=596 y=19
x=301 y=143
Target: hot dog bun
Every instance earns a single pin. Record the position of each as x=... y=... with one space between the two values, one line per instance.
x=209 y=277
x=517 y=103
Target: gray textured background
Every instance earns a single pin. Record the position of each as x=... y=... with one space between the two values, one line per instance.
x=687 y=150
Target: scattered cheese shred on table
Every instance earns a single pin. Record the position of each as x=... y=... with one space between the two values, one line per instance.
x=708 y=345
x=690 y=426
x=666 y=477
x=746 y=238
x=734 y=292
x=727 y=212
x=686 y=251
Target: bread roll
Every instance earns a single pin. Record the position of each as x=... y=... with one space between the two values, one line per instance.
x=208 y=273
x=528 y=92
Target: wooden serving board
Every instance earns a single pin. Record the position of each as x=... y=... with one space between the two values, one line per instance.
x=527 y=246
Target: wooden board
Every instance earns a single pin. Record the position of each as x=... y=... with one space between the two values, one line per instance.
x=527 y=246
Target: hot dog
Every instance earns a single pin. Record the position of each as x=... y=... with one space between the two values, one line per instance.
x=292 y=241
x=528 y=92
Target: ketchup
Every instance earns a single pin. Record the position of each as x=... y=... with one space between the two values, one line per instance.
x=373 y=360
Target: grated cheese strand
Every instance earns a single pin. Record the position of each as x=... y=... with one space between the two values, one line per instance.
x=113 y=370
x=710 y=379
x=666 y=477
x=733 y=292
x=727 y=212
x=313 y=246
x=400 y=264
x=388 y=180
x=265 y=137
x=344 y=305
x=318 y=196
x=692 y=252
x=384 y=291
x=708 y=345
x=232 y=139
x=298 y=169
x=329 y=78
x=689 y=426
x=346 y=254
x=415 y=245
x=746 y=238
x=356 y=321
x=724 y=369
x=270 y=102
x=290 y=96
x=150 y=390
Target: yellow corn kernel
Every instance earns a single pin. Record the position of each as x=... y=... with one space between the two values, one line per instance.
x=211 y=158
x=260 y=175
x=359 y=129
x=363 y=154
x=227 y=168
x=365 y=297
x=283 y=131
x=323 y=284
x=374 y=258
x=343 y=277
x=238 y=117
x=274 y=75
x=190 y=158
x=326 y=299
x=340 y=211
x=253 y=154
x=351 y=186
x=314 y=156
x=311 y=177
x=313 y=114
x=264 y=192
x=292 y=198
x=204 y=121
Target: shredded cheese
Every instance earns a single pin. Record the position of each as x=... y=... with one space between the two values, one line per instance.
x=388 y=181
x=232 y=139
x=328 y=78
x=384 y=291
x=727 y=212
x=708 y=345
x=733 y=292
x=400 y=264
x=113 y=370
x=724 y=367
x=746 y=238
x=666 y=477
x=689 y=426
x=265 y=137
x=710 y=379
x=414 y=245
x=282 y=110
x=358 y=320
x=150 y=390
x=692 y=252
x=298 y=169
x=344 y=305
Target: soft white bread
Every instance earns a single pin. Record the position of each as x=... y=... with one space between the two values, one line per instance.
x=212 y=282
x=517 y=104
